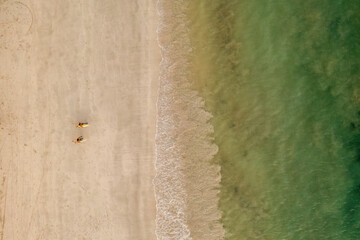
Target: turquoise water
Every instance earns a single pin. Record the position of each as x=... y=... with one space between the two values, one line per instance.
x=282 y=81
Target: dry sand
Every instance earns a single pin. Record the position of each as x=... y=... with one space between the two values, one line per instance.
x=67 y=61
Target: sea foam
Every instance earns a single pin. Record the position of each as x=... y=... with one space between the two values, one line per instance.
x=186 y=182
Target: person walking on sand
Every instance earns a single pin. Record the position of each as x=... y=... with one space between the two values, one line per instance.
x=82 y=124
x=79 y=140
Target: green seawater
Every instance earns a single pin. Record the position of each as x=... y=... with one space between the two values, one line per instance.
x=282 y=80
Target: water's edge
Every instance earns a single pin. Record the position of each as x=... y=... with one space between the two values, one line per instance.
x=186 y=182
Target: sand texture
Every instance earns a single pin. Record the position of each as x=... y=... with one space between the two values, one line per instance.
x=67 y=61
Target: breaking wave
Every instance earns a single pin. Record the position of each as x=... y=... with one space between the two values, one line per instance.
x=186 y=182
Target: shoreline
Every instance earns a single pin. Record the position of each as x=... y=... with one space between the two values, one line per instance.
x=186 y=182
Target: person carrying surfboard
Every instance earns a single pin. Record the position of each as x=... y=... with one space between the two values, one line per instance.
x=79 y=140
x=82 y=124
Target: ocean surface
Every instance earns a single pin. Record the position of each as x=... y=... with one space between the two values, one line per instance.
x=259 y=120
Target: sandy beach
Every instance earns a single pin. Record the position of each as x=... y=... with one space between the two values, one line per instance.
x=62 y=62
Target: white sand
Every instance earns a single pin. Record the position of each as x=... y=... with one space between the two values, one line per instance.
x=67 y=61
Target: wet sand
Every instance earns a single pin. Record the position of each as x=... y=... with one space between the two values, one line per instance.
x=67 y=61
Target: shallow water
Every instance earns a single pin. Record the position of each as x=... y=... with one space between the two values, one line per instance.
x=282 y=81
x=281 y=85
x=186 y=183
